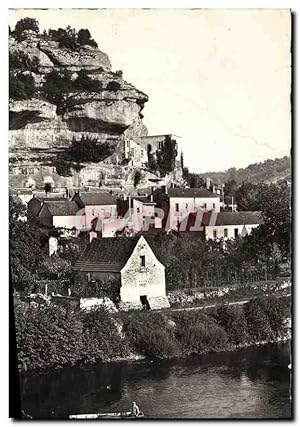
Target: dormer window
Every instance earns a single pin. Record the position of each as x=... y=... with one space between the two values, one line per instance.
x=143 y=260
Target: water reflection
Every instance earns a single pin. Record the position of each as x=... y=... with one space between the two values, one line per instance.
x=249 y=383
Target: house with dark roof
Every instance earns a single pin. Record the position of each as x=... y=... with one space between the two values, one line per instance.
x=229 y=225
x=96 y=205
x=133 y=264
x=62 y=214
x=36 y=202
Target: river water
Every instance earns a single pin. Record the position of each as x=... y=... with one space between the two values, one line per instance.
x=250 y=383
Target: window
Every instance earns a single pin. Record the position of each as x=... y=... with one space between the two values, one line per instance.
x=138 y=210
x=215 y=234
x=225 y=232
x=143 y=260
x=177 y=207
x=186 y=206
x=214 y=205
x=236 y=232
x=205 y=205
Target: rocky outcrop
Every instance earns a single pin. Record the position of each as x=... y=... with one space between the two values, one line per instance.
x=38 y=130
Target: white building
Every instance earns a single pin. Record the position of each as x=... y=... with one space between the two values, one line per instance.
x=230 y=225
x=130 y=262
x=96 y=205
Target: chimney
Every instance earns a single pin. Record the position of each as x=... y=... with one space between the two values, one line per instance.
x=151 y=198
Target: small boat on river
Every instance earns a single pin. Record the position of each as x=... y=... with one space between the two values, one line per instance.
x=108 y=415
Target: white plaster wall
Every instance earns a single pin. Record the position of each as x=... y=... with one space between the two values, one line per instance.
x=209 y=230
x=92 y=212
x=191 y=204
x=69 y=222
x=137 y=280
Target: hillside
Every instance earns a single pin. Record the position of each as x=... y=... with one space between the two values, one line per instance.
x=269 y=171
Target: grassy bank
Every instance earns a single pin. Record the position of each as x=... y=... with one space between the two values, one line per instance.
x=52 y=337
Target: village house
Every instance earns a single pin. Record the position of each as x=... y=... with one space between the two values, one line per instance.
x=96 y=205
x=61 y=214
x=230 y=225
x=132 y=263
x=35 y=203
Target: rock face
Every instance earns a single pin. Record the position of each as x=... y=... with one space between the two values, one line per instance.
x=38 y=131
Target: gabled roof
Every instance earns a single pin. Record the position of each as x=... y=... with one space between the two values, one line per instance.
x=191 y=192
x=61 y=208
x=106 y=255
x=233 y=218
x=95 y=199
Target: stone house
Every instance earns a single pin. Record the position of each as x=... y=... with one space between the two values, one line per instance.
x=229 y=225
x=131 y=263
x=96 y=205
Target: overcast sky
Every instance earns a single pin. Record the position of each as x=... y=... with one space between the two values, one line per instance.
x=218 y=78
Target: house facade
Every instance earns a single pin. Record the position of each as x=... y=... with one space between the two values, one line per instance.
x=96 y=205
x=230 y=225
x=61 y=214
x=132 y=263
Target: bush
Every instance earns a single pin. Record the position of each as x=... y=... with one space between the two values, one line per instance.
x=22 y=61
x=47 y=337
x=137 y=178
x=258 y=324
x=25 y=24
x=101 y=337
x=113 y=86
x=84 y=83
x=88 y=150
x=276 y=310
x=199 y=333
x=233 y=320
x=150 y=334
x=21 y=86
x=84 y=38
x=63 y=167
x=56 y=85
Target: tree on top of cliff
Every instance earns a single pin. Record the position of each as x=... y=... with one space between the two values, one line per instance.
x=84 y=38
x=25 y=24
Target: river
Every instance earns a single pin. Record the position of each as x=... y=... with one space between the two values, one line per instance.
x=250 y=383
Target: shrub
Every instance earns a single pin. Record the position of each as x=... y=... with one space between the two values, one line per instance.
x=84 y=38
x=258 y=324
x=84 y=83
x=56 y=85
x=47 y=337
x=21 y=86
x=233 y=320
x=25 y=24
x=22 y=61
x=150 y=334
x=101 y=337
x=63 y=167
x=88 y=150
x=276 y=310
x=113 y=86
x=199 y=333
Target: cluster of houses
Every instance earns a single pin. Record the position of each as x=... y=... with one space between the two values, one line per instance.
x=130 y=260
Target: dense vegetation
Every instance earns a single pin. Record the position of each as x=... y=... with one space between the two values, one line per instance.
x=19 y=60
x=72 y=337
x=21 y=86
x=165 y=157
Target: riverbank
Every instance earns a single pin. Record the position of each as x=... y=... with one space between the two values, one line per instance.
x=52 y=337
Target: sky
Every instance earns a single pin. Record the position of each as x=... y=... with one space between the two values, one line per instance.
x=219 y=79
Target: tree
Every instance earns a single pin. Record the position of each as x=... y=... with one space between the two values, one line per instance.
x=56 y=87
x=21 y=86
x=26 y=242
x=84 y=38
x=25 y=24
x=47 y=187
x=137 y=177
x=166 y=156
x=84 y=83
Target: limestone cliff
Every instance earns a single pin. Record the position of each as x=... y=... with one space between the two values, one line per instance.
x=39 y=131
